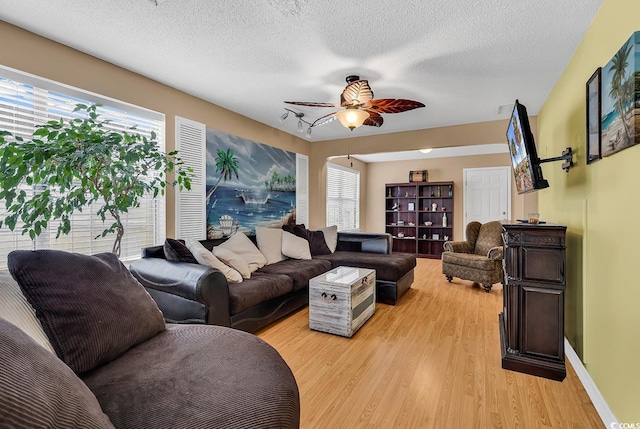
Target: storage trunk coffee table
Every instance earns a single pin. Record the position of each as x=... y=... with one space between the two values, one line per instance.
x=341 y=300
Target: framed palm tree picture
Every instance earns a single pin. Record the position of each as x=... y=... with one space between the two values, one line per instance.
x=593 y=117
x=248 y=184
x=620 y=91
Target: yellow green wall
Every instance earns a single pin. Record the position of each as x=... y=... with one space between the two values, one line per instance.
x=600 y=204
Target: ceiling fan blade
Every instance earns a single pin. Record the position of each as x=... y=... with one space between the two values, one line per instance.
x=374 y=119
x=312 y=104
x=323 y=120
x=356 y=93
x=392 y=105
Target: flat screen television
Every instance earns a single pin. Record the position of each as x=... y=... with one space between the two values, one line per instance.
x=522 y=148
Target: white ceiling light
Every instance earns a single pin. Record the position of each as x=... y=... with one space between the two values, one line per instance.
x=426 y=150
x=352 y=117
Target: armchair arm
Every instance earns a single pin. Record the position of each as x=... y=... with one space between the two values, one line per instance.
x=365 y=242
x=458 y=246
x=496 y=253
x=192 y=282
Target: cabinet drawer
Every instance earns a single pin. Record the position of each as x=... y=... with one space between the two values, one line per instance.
x=542 y=264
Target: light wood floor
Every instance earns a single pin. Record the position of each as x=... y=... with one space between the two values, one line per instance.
x=432 y=361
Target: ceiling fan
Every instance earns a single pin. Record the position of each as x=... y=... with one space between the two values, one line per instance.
x=359 y=107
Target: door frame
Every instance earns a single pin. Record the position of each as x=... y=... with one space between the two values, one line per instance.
x=506 y=170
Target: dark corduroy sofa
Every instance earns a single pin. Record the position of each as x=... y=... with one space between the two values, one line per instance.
x=191 y=293
x=99 y=355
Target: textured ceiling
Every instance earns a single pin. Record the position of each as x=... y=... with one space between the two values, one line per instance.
x=461 y=58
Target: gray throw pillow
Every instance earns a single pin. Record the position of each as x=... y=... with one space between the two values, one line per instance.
x=91 y=307
x=37 y=390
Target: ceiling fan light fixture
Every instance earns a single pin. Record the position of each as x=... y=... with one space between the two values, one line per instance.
x=352 y=118
x=284 y=116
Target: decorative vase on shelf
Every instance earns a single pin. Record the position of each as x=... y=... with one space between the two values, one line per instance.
x=450 y=191
x=434 y=207
x=439 y=192
x=444 y=220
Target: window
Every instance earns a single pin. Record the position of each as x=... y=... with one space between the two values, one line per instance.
x=343 y=197
x=26 y=101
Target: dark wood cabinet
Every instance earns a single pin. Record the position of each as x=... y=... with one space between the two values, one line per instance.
x=419 y=216
x=532 y=321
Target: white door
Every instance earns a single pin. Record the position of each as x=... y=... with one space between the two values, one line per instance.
x=487 y=194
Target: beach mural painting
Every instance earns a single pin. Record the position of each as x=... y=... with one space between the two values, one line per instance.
x=249 y=184
x=620 y=121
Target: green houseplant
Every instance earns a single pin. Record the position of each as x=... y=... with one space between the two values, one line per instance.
x=72 y=164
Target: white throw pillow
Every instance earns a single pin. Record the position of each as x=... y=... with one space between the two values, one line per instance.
x=205 y=257
x=242 y=246
x=295 y=247
x=270 y=243
x=15 y=308
x=330 y=236
x=233 y=260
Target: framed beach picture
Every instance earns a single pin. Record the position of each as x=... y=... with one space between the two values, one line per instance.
x=593 y=117
x=620 y=95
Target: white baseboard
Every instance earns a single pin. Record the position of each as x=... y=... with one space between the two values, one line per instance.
x=607 y=416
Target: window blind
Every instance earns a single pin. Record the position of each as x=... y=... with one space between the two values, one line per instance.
x=343 y=197
x=26 y=101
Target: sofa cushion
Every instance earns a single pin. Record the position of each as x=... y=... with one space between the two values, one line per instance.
x=295 y=247
x=176 y=251
x=330 y=236
x=91 y=307
x=259 y=288
x=317 y=242
x=389 y=267
x=37 y=390
x=205 y=257
x=299 y=270
x=242 y=246
x=270 y=243
x=198 y=376
x=470 y=260
x=233 y=260
x=15 y=309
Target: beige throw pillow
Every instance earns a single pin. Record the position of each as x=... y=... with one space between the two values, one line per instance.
x=270 y=243
x=205 y=257
x=330 y=236
x=295 y=247
x=242 y=246
x=15 y=308
x=233 y=260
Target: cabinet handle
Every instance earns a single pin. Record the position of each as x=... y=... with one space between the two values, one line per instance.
x=326 y=298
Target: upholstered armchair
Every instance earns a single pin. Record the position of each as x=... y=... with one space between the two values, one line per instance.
x=479 y=258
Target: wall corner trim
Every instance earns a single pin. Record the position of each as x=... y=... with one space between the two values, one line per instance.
x=605 y=413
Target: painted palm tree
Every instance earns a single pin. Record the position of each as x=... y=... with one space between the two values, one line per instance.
x=227 y=166
x=618 y=92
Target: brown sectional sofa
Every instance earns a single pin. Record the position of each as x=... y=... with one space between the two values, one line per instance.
x=192 y=293
x=99 y=355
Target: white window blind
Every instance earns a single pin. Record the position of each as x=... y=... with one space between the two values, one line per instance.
x=26 y=101
x=343 y=197
x=302 y=189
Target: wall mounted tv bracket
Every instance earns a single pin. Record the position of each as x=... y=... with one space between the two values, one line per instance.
x=567 y=157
